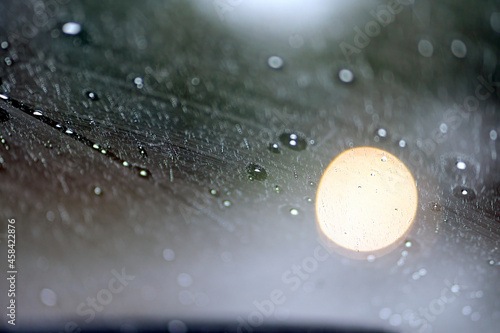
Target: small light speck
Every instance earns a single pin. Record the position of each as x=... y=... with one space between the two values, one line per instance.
x=402 y=143
x=143 y=173
x=69 y=131
x=97 y=191
x=71 y=28
x=294 y=212
x=48 y=297
x=213 y=191
x=408 y=244
x=226 y=203
x=96 y=146
x=455 y=288
x=383 y=159
x=370 y=258
x=126 y=164
x=493 y=135
x=464 y=192
x=168 y=254
x=346 y=76
x=275 y=62
x=422 y=272
x=139 y=83
x=37 y=113
x=382 y=132
x=2 y=96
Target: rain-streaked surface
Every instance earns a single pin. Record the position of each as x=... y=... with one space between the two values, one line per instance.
x=161 y=161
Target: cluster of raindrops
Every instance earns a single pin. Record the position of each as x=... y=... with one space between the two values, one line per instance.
x=293 y=141
x=139 y=82
x=418 y=274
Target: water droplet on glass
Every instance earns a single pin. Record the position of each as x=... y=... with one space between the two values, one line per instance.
x=71 y=28
x=37 y=113
x=385 y=313
x=309 y=199
x=97 y=191
x=168 y=255
x=293 y=141
x=177 y=326
x=294 y=212
x=370 y=258
x=383 y=159
x=126 y=164
x=256 y=172
x=443 y=128
x=461 y=165
x=425 y=48
x=139 y=83
x=435 y=207
x=226 y=203
x=493 y=135
x=195 y=81
x=458 y=48
x=92 y=95
x=8 y=61
x=277 y=189
x=455 y=288
x=382 y=132
x=402 y=143
x=4 y=45
x=491 y=262
x=143 y=173
x=464 y=193
x=48 y=297
x=346 y=76
x=275 y=62
x=408 y=244
x=69 y=131
x=213 y=192
x=274 y=148
x=184 y=280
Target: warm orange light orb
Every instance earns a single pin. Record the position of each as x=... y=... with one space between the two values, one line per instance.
x=366 y=200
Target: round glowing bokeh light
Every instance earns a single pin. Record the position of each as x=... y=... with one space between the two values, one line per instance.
x=366 y=200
